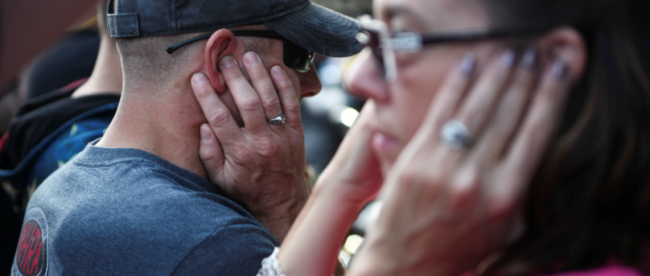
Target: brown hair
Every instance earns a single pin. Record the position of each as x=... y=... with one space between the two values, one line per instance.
x=590 y=198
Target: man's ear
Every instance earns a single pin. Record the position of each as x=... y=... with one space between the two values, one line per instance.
x=220 y=44
x=567 y=44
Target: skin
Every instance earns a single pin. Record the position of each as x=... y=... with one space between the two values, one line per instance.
x=445 y=210
x=169 y=118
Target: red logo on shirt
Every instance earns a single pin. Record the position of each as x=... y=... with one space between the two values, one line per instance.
x=30 y=249
x=31 y=255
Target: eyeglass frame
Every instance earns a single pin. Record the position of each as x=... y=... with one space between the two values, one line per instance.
x=290 y=58
x=414 y=41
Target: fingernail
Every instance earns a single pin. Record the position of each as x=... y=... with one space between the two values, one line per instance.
x=530 y=58
x=277 y=71
x=205 y=134
x=560 y=70
x=227 y=61
x=468 y=64
x=251 y=59
x=198 y=78
x=508 y=58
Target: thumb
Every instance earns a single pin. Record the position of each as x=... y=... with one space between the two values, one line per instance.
x=210 y=153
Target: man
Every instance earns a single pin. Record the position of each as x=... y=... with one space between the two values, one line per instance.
x=50 y=130
x=139 y=202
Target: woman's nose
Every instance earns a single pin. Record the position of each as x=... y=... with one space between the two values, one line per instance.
x=364 y=79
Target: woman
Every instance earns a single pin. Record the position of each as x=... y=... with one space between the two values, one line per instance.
x=585 y=200
x=489 y=162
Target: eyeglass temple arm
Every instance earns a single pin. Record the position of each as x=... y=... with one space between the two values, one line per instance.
x=253 y=33
x=478 y=36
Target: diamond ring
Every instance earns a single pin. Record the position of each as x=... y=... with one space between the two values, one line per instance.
x=455 y=134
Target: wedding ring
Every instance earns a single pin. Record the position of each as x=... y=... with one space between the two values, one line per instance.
x=455 y=134
x=280 y=120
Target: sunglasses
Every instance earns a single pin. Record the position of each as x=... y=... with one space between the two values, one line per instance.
x=295 y=57
x=375 y=35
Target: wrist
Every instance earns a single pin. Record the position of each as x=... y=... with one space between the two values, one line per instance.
x=278 y=217
x=342 y=191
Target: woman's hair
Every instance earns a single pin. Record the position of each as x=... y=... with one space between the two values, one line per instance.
x=589 y=201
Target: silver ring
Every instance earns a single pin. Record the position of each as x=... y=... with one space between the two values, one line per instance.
x=280 y=120
x=455 y=134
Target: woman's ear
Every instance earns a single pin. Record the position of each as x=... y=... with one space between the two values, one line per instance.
x=567 y=44
x=220 y=44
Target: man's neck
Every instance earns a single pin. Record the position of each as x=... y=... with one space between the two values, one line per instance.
x=164 y=123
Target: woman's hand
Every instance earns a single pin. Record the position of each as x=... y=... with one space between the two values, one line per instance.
x=449 y=205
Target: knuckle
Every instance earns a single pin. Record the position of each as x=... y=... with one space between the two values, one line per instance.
x=265 y=147
x=250 y=105
x=292 y=108
x=272 y=103
x=465 y=189
x=219 y=117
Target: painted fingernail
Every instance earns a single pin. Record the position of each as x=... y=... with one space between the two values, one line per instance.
x=227 y=61
x=468 y=64
x=560 y=70
x=198 y=78
x=508 y=58
x=277 y=71
x=530 y=58
x=251 y=59
x=205 y=134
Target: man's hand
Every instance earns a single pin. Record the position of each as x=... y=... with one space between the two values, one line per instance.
x=260 y=165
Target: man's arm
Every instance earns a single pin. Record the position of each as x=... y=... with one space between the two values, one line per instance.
x=261 y=165
x=231 y=250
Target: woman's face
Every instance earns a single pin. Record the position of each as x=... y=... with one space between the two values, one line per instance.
x=401 y=105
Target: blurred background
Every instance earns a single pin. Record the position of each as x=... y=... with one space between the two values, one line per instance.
x=48 y=45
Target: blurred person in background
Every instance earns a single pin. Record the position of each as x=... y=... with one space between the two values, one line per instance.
x=138 y=200
x=531 y=157
x=51 y=129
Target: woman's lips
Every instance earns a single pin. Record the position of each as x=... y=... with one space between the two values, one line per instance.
x=382 y=142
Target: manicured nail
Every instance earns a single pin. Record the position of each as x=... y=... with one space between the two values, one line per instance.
x=251 y=59
x=468 y=64
x=508 y=58
x=277 y=71
x=205 y=134
x=227 y=61
x=560 y=70
x=198 y=78
x=530 y=58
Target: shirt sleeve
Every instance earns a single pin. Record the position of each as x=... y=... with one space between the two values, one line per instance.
x=232 y=250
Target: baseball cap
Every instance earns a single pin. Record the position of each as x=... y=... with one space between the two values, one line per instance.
x=308 y=25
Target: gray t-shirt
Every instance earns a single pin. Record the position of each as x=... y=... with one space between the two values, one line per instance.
x=129 y=212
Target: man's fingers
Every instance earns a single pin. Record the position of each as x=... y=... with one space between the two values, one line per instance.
x=214 y=110
x=263 y=85
x=290 y=102
x=247 y=100
x=539 y=125
x=211 y=154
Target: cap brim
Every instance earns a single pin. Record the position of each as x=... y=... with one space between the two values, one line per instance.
x=319 y=29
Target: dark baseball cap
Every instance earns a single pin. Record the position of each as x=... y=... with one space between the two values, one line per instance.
x=311 y=26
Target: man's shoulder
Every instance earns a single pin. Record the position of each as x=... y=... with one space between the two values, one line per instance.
x=139 y=215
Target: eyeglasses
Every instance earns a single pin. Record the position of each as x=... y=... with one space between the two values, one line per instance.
x=295 y=57
x=375 y=35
